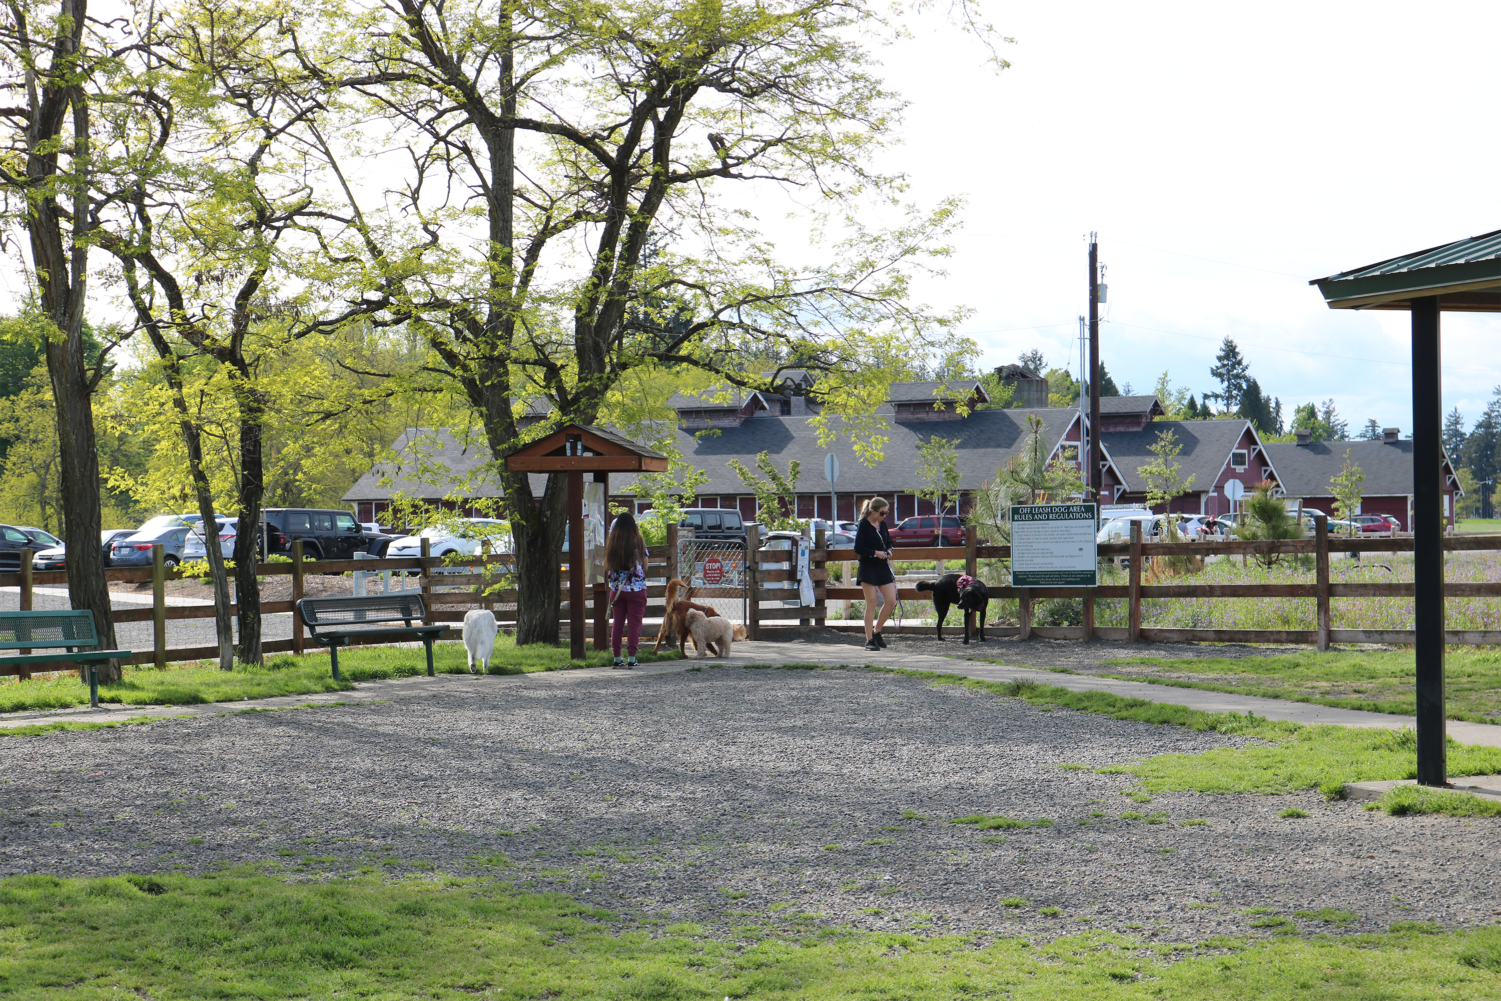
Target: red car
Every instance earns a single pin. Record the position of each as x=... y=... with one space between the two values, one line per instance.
x=1377 y=523
x=926 y=531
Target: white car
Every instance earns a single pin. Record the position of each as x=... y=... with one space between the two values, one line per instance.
x=1118 y=529
x=196 y=548
x=463 y=538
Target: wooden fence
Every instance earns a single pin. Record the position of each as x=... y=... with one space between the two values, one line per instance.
x=476 y=576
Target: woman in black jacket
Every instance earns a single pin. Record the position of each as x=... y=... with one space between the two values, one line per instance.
x=873 y=545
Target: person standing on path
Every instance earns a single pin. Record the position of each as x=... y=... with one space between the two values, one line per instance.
x=625 y=572
x=873 y=546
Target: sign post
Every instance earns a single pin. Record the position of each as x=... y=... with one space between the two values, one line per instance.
x=1053 y=545
x=831 y=473
x=1234 y=491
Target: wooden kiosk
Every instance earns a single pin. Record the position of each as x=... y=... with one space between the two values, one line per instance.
x=577 y=449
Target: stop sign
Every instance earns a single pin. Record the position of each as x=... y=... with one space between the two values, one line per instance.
x=713 y=571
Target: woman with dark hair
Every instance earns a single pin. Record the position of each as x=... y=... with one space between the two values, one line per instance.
x=625 y=571
x=873 y=545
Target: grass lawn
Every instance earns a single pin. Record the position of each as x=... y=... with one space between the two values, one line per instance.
x=241 y=935
x=1377 y=681
x=286 y=675
x=1485 y=526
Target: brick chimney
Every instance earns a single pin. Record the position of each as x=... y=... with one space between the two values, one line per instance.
x=1305 y=436
x=1389 y=435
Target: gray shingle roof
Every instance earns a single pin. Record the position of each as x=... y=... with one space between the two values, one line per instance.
x=733 y=400
x=1305 y=470
x=918 y=392
x=431 y=463
x=985 y=441
x=1205 y=448
x=1127 y=404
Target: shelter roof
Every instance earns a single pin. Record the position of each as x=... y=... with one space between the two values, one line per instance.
x=1464 y=274
x=1305 y=470
x=1205 y=449
x=432 y=463
x=734 y=399
x=922 y=392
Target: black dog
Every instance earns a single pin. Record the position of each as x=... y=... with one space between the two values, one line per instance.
x=969 y=593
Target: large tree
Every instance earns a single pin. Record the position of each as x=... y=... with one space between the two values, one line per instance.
x=578 y=198
x=1232 y=372
x=55 y=67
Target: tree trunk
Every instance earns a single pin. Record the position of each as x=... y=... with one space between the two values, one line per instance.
x=252 y=496
x=223 y=624
x=539 y=541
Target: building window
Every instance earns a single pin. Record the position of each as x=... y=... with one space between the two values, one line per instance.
x=1239 y=459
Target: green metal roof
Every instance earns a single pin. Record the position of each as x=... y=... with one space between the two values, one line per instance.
x=1465 y=275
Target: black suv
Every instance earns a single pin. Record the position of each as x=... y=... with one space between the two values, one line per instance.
x=325 y=534
x=715 y=523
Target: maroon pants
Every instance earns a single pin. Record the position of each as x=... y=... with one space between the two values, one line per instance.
x=630 y=608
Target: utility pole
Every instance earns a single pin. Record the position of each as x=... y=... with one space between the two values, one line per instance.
x=1095 y=456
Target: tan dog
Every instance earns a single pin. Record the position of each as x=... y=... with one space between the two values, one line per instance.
x=710 y=634
x=672 y=622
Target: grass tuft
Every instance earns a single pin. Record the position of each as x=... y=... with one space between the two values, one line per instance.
x=1404 y=801
x=1000 y=823
x=1293 y=812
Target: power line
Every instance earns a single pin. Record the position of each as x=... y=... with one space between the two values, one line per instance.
x=1211 y=260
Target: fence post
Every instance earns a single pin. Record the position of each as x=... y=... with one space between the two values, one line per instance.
x=1024 y=611
x=971 y=567
x=1321 y=565
x=297 y=595
x=1133 y=633
x=821 y=605
x=159 y=605
x=673 y=570
x=753 y=581
x=26 y=555
x=425 y=575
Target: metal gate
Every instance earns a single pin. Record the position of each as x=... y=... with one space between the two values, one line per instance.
x=716 y=569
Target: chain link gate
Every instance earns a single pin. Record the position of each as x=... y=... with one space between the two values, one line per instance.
x=716 y=570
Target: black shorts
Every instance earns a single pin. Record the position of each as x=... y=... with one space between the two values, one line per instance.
x=876 y=572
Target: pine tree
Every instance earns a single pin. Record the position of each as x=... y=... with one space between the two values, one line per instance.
x=1191 y=412
x=1454 y=435
x=1480 y=452
x=1371 y=431
x=1277 y=416
x=1231 y=372
x=1255 y=408
x=1107 y=384
x=1036 y=362
x=1334 y=428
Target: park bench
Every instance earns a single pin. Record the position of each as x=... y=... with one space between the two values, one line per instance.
x=70 y=630
x=336 y=622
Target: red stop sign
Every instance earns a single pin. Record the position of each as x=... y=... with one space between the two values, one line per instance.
x=713 y=571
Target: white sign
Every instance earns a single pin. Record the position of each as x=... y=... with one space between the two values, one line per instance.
x=1053 y=545
x=831 y=468
x=718 y=571
x=1234 y=490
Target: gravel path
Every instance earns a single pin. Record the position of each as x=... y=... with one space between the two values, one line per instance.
x=731 y=794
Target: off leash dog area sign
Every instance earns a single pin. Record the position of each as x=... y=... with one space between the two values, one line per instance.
x=1053 y=545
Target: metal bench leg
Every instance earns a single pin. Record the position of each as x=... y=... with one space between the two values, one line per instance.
x=333 y=655
x=94 y=685
x=428 y=642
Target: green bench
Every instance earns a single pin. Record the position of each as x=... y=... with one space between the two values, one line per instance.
x=336 y=622
x=71 y=631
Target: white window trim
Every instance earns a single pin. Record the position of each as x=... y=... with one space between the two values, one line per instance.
x=1245 y=459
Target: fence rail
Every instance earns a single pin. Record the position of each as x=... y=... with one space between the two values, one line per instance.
x=450 y=587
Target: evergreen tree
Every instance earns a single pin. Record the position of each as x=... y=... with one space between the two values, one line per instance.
x=1191 y=412
x=1107 y=384
x=1036 y=362
x=1480 y=452
x=1232 y=373
x=1277 y=416
x=1371 y=431
x=1454 y=436
x=1255 y=408
x=1336 y=429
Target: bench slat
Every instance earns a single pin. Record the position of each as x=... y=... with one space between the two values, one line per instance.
x=43 y=630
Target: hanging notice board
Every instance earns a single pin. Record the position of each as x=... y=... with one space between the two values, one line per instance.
x=1053 y=545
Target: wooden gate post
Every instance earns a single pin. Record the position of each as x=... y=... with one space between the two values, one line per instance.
x=820 y=604
x=1321 y=565
x=971 y=567
x=425 y=575
x=753 y=581
x=297 y=595
x=1024 y=611
x=1133 y=632
x=26 y=592
x=159 y=605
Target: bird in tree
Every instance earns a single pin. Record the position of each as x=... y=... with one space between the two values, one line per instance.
x=1232 y=373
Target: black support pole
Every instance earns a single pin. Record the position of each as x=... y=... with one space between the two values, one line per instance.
x=1096 y=476
x=1428 y=538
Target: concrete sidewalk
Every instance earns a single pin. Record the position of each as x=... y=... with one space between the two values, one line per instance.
x=823 y=654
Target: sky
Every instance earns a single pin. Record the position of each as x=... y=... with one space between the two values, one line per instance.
x=1226 y=155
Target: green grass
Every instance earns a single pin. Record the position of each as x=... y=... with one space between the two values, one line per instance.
x=985 y=823
x=286 y=675
x=245 y=936
x=1405 y=800
x=1292 y=813
x=1372 y=680
x=1482 y=526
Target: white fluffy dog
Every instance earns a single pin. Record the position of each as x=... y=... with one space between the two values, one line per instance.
x=708 y=634
x=479 y=637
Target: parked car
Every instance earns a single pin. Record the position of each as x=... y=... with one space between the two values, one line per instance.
x=43 y=538
x=1118 y=528
x=325 y=534
x=1376 y=522
x=135 y=549
x=722 y=524
x=928 y=530
x=463 y=538
x=197 y=544
x=56 y=557
x=12 y=541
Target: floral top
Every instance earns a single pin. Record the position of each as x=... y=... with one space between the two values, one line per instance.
x=633 y=579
